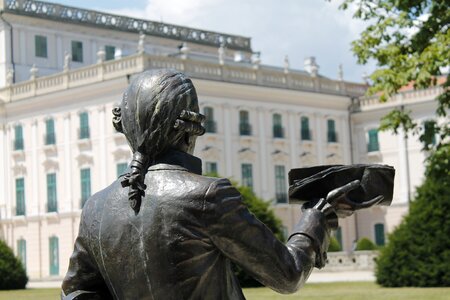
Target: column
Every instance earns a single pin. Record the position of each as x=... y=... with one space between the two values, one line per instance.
x=263 y=159
x=35 y=195
x=319 y=137
x=403 y=172
x=228 y=141
x=9 y=179
x=102 y=147
x=68 y=174
x=345 y=140
x=3 y=174
x=293 y=122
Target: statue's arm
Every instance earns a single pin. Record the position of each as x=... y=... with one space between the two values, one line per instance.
x=250 y=244
x=83 y=279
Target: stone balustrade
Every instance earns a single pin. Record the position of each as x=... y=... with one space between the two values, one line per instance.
x=351 y=261
x=200 y=69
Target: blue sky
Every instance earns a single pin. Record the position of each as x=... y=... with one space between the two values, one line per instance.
x=297 y=28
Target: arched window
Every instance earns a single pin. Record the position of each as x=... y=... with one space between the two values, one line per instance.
x=54 y=255
x=210 y=123
x=373 y=141
x=50 y=138
x=305 y=133
x=244 y=124
x=331 y=131
x=277 y=126
x=379 y=234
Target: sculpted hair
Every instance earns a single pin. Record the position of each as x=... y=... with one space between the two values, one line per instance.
x=158 y=109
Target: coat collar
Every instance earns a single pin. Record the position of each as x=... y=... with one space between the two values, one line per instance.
x=178 y=160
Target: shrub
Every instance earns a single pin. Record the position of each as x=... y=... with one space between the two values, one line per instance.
x=365 y=244
x=12 y=273
x=418 y=252
x=334 y=245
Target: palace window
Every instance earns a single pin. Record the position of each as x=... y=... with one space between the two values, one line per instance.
x=247 y=175
x=305 y=133
x=277 y=126
x=18 y=137
x=373 y=141
x=379 y=234
x=50 y=137
x=338 y=236
x=331 y=131
x=121 y=169
x=77 y=51
x=429 y=130
x=54 y=255
x=280 y=185
x=244 y=124
x=40 y=46
x=210 y=124
x=20 y=197
x=22 y=252
x=211 y=168
x=85 y=178
x=84 y=126
x=109 y=52
x=52 y=200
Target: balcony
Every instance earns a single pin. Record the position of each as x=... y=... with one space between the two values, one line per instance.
x=245 y=129
x=305 y=135
x=278 y=131
x=210 y=126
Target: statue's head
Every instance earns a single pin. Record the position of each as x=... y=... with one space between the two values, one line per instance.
x=159 y=112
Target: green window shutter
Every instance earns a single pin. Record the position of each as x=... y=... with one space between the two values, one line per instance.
x=379 y=234
x=18 y=137
x=338 y=236
x=331 y=132
x=277 y=126
x=280 y=185
x=109 y=52
x=50 y=138
x=244 y=124
x=52 y=200
x=210 y=124
x=121 y=169
x=77 y=51
x=40 y=46
x=54 y=255
x=305 y=133
x=22 y=252
x=247 y=175
x=85 y=175
x=211 y=168
x=84 y=126
x=430 y=132
x=20 y=197
x=373 y=141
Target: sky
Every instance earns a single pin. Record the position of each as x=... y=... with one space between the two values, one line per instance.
x=296 y=28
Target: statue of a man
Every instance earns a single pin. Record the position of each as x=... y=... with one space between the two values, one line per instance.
x=164 y=231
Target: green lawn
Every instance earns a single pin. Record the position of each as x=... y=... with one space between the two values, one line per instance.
x=313 y=291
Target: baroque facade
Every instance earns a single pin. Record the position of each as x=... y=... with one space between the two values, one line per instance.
x=62 y=69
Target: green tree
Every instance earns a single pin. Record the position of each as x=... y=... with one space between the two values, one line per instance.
x=334 y=245
x=418 y=252
x=12 y=273
x=409 y=40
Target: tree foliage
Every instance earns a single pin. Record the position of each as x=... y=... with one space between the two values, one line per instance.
x=365 y=244
x=12 y=273
x=418 y=252
x=409 y=40
x=334 y=245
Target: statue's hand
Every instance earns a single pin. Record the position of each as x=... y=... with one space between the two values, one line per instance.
x=337 y=201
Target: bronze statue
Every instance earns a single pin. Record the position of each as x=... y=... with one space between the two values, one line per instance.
x=164 y=231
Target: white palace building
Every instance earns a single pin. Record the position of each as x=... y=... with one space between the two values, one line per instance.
x=62 y=69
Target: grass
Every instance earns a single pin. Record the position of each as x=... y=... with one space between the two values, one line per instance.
x=313 y=291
